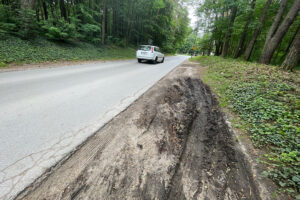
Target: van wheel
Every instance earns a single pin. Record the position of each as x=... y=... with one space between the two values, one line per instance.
x=155 y=61
x=139 y=60
x=163 y=60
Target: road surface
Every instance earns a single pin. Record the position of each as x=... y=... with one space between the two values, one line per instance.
x=46 y=113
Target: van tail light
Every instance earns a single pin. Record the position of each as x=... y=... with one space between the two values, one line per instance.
x=152 y=49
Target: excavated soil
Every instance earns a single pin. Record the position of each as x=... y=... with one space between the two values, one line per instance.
x=172 y=143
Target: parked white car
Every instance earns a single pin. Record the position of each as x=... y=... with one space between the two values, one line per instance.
x=150 y=53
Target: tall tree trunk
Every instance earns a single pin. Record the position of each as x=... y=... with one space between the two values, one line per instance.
x=276 y=21
x=229 y=31
x=106 y=20
x=210 y=47
x=52 y=12
x=128 y=18
x=277 y=37
x=63 y=12
x=45 y=10
x=37 y=14
x=103 y=22
x=293 y=56
x=290 y=44
x=257 y=31
x=244 y=34
x=219 y=46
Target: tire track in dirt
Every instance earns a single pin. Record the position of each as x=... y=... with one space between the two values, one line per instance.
x=210 y=167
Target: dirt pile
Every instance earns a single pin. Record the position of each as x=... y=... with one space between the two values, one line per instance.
x=172 y=143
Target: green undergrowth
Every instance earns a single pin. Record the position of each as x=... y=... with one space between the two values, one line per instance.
x=267 y=100
x=18 y=51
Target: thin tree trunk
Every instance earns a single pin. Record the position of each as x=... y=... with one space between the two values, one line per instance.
x=229 y=31
x=45 y=10
x=210 y=47
x=217 y=44
x=131 y=25
x=257 y=31
x=106 y=20
x=129 y=18
x=277 y=37
x=52 y=12
x=293 y=56
x=63 y=12
x=37 y=14
x=244 y=34
x=103 y=22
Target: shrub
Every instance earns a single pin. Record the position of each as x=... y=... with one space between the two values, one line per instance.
x=27 y=26
x=90 y=32
x=62 y=31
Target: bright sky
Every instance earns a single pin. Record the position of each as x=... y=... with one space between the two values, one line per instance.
x=192 y=8
x=192 y=13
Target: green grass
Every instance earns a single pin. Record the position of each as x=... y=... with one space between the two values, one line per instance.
x=16 y=50
x=267 y=101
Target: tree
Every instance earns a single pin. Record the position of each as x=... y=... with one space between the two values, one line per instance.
x=229 y=30
x=45 y=10
x=257 y=31
x=103 y=22
x=277 y=20
x=274 y=38
x=63 y=11
x=293 y=56
x=244 y=34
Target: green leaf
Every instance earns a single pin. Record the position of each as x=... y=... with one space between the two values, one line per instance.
x=296 y=178
x=265 y=174
x=282 y=184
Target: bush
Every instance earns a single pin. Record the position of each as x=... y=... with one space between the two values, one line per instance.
x=18 y=22
x=62 y=31
x=27 y=25
x=91 y=33
x=7 y=20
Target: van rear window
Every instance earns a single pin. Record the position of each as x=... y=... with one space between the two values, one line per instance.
x=145 y=48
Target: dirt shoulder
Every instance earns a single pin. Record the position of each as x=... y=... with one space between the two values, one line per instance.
x=172 y=143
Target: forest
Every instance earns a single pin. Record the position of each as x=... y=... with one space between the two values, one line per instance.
x=264 y=31
x=119 y=22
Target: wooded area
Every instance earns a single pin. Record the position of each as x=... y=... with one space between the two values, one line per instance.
x=120 y=22
x=266 y=31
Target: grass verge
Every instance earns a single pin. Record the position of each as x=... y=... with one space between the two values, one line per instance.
x=267 y=102
x=18 y=51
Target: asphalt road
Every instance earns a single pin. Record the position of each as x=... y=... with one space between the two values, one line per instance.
x=46 y=113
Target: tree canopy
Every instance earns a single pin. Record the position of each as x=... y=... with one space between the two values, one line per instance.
x=265 y=31
x=121 y=22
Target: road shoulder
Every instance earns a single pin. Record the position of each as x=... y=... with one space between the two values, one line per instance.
x=172 y=143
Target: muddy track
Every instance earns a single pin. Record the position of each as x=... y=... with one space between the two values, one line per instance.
x=172 y=143
x=211 y=167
